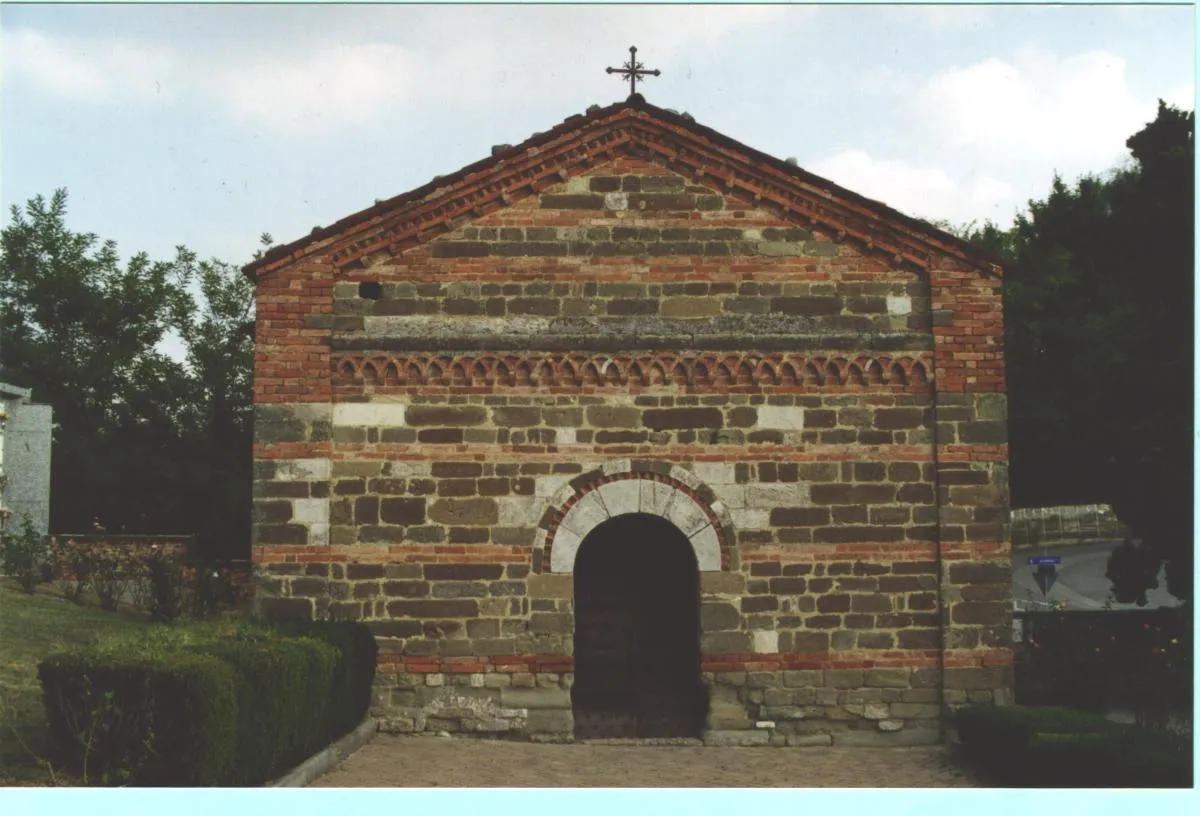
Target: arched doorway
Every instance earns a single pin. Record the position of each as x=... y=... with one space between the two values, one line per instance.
x=637 y=632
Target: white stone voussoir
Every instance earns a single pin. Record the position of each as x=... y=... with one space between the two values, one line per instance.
x=707 y=547
x=635 y=496
x=621 y=497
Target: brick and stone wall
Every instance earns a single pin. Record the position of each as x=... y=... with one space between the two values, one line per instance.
x=440 y=426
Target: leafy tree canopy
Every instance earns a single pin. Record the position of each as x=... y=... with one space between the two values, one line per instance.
x=143 y=442
x=1098 y=296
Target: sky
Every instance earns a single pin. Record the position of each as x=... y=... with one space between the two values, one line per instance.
x=207 y=125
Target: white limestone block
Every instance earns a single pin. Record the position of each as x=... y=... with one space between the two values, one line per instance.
x=547 y=486
x=732 y=496
x=564 y=436
x=310 y=511
x=777 y=494
x=318 y=534
x=765 y=642
x=518 y=511
x=751 y=518
x=616 y=201
x=875 y=711
x=302 y=470
x=369 y=414
x=780 y=417
x=407 y=470
x=714 y=473
x=899 y=304
x=615 y=466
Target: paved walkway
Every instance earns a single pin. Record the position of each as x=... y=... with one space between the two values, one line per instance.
x=399 y=761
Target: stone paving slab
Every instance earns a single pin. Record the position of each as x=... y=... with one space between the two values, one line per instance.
x=406 y=761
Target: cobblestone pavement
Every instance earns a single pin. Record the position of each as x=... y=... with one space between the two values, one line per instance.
x=399 y=761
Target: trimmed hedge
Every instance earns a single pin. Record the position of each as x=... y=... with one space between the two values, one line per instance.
x=1022 y=746
x=207 y=704
x=354 y=676
x=131 y=720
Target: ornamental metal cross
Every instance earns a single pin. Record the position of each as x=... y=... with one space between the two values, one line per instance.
x=634 y=70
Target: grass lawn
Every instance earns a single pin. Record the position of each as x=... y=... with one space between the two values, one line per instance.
x=31 y=627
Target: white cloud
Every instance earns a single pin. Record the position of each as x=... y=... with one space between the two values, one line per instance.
x=335 y=86
x=90 y=71
x=1182 y=96
x=363 y=73
x=1076 y=110
x=940 y=17
x=924 y=192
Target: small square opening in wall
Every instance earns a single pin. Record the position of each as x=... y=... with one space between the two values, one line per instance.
x=370 y=290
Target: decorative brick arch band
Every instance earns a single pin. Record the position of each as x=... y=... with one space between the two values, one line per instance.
x=622 y=487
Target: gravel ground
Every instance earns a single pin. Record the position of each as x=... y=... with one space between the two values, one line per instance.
x=403 y=761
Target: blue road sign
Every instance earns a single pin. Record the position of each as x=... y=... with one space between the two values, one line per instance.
x=1039 y=560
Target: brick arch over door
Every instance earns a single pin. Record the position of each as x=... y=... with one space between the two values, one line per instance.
x=617 y=488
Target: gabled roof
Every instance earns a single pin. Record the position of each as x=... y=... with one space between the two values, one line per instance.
x=639 y=128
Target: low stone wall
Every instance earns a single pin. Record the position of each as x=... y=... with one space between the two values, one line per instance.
x=1039 y=526
x=529 y=697
x=500 y=696
x=137 y=545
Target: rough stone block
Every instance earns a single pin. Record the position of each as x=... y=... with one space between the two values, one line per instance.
x=446 y=415
x=533 y=697
x=739 y=738
x=863 y=738
x=718 y=617
x=844 y=678
x=550 y=721
x=478 y=511
x=682 y=418
x=550 y=585
x=722 y=583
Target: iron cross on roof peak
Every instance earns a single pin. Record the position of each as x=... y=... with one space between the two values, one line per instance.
x=633 y=70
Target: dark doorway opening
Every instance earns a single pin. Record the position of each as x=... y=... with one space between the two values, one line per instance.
x=637 y=632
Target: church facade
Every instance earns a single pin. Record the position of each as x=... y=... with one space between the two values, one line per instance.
x=633 y=431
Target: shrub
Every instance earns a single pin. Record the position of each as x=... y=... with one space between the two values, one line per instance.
x=211 y=591
x=114 y=571
x=1097 y=661
x=153 y=710
x=73 y=567
x=284 y=696
x=1024 y=746
x=354 y=674
x=165 y=720
x=141 y=589
x=24 y=555
x=166 y=586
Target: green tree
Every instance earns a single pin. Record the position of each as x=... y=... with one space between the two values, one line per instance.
x=1098 y=297
x=220 y=361
x=143 y=442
